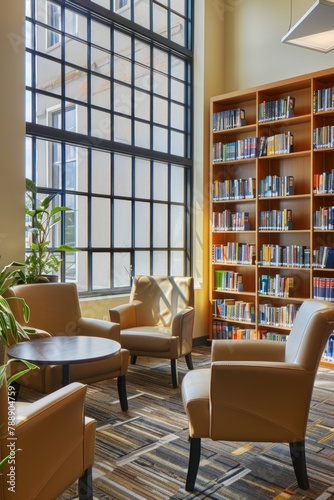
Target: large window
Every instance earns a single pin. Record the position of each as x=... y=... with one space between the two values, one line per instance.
x=108 y=93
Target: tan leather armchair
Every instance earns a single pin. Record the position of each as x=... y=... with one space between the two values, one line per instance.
x=55 y=308
x=158 y=320
x=259 y=390
x=55 y=445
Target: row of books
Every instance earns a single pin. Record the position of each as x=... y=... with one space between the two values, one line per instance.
x=230 y=221
x=274 y=255
x=274 y=185
x=231 y=118
x=237 y=150
x=323 y=288
x=324 y=218
x=228 y=280
x=323 y=137
x=323 y=99
x=233 y=189
x=329 y=349
x=277 y=109
x=278 y=220
x=277 y=286
x=324 y=182
x=323 y=257
x=231 y=309
x=234 y=252
x=221 y=330
x=277 y=144
x=278 y=316
x=285 y=255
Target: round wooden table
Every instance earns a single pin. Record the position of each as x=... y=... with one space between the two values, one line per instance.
x=65 y=351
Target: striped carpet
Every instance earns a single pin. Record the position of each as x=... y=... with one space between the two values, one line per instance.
x=142 y=454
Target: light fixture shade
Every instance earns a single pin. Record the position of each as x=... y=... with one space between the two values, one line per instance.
x=315 y=29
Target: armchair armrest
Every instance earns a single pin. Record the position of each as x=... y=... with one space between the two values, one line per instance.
x=98 y=328
x=182 y=324
x=124 y=315
x=247 y=350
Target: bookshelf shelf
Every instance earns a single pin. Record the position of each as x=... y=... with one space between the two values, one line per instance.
x=300 y=126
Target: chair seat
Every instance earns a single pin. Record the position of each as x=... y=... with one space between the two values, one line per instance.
x=158 y=339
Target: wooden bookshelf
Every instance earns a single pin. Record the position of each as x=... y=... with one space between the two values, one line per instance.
x=287 y=228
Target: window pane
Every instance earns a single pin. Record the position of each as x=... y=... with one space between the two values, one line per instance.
x=177 y=264
x=142 y=178
x=122 y=69
x=160 y=111
x=122 y=176
x=142 y=135
x=122 y=44
x=122 y=130
x=48 y=75
x=177 y=226
x=160 y=221
x=100 y=124
x=100 y=95
x=177 y=29
x=76 y=84
x=142 y=105
x=142 y=225
x=122 y=99
x=142 y=13
x=82 y=271
x=100 y=61
x=121 y=270
x=75 y=52
x=160 y=139
x=100 y=222
x=122 y=224
x=177 y=184
x=100 y=35
x=101 y=270
x=160 y=24
x=142 y=52
x=160 y=186
x=101 y=172
x=177 y=143
x=160 y=263
x=142 y=263
x=177 y=116
x=82 y=221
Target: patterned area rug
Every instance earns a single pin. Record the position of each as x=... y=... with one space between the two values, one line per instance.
x=142 y=454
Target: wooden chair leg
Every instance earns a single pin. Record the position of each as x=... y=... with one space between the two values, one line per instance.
x=133 y=360
x=121 y=385
x=189 y=361
x=175 y=376
x=86 y=485
x=194 y=458
x=297 y=452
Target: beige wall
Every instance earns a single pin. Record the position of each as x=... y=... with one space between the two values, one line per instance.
x=254 y=54
x=12 y=130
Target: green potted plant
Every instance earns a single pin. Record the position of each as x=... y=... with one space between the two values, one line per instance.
x=41 y=262
x=10 y=330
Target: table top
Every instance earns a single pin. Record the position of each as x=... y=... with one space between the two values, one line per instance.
x=64 y=350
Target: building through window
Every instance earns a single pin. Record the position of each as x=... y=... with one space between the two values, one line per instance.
x=108 y=121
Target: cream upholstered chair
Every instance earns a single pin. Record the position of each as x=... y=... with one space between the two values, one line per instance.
x=158 y=320
x=259 y=390
x=55 y=445
x=55 y=308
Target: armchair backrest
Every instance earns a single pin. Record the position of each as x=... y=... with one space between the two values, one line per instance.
x=311 y=329
x=160 y=298
x=54 y=307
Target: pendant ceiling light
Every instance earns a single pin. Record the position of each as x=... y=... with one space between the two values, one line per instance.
x=315 y=29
